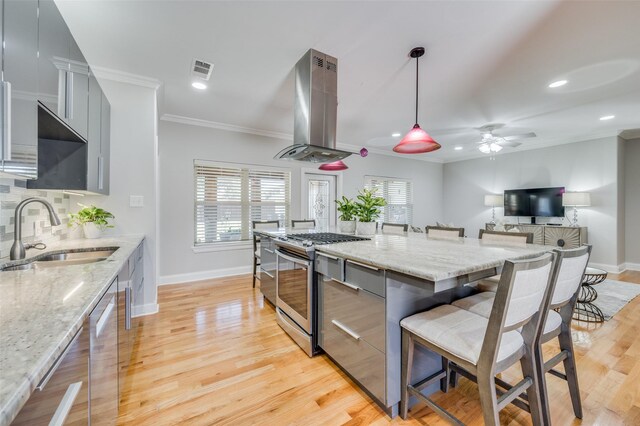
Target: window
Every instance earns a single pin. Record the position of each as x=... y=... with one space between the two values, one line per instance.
x=228 y=197
x=399 y=196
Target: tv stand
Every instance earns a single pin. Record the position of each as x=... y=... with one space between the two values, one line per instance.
x=562 y=236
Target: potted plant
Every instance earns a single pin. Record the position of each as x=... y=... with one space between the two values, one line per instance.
x=368 y=209
x=348 y=209
x=92 y=219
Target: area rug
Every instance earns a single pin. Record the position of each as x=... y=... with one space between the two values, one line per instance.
x=614 y=295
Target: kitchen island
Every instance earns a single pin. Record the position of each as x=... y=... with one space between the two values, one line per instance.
x=366 y=288
x=41 y=310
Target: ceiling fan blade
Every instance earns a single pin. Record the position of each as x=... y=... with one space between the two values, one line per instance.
x=518 y=137
x=510 y=144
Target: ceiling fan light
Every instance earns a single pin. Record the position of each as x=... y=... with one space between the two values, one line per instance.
x=417 y=141
x=494 y=147
x=484 y=148
x=333 y=167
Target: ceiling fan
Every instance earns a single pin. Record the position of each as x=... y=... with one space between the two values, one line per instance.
x=492 y=143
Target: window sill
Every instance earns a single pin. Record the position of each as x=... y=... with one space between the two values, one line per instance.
x=223 y=246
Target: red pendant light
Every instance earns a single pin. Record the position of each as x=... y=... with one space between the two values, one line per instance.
x=417 y=141
x=333 y=167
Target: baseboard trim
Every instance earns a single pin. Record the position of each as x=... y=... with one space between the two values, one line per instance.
x=204 y=275
x=148 y=309
x=612 y=269
x=632 y=266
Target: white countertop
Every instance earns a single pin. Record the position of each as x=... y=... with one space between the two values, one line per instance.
x=433 y=259
x=42 y=309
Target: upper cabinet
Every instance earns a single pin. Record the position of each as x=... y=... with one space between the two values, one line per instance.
x=19 y=88
x=99 y=134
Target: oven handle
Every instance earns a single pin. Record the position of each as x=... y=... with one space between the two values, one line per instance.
x=298 y=260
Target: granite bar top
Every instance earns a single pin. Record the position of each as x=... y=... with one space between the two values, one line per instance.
x=433 y=259
x=42 y=309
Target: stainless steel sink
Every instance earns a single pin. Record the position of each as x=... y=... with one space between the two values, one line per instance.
x=63 y=258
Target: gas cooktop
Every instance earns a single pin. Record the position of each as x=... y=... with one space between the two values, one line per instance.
x=319 y=238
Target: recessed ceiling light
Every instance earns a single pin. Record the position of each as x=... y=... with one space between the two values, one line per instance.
x=607 y=117
x=396 y=135
x=458 y=148
x=198 y=85
x=558 y=83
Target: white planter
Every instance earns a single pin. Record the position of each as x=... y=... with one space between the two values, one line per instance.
x=365 y=228
x=347 y=226
x=91 y=230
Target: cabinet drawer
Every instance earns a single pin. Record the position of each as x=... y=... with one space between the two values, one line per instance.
x=362 y=361
x=563 y=237
x=360 y=311
x=329 y=266
x=367 y=277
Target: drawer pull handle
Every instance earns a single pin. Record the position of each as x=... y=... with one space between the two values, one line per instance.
x=102 y=321
x=351 y=286
x=63 y=410
x=267 y=274
x=327 y=256
x=345 y=329
x=268 y=251
x=364 y=265
x=53 y=369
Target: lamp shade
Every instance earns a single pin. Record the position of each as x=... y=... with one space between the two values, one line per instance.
x=335 y=166
x=493 y=200
x=576 y=199
x=417 y=141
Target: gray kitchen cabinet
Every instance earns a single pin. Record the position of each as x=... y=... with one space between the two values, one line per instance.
x=62 y=396
x=104 y=161
x=98 y=142
x=103 y=359
x=566 y=237
x=76 y=99
x=19 y=87
x=268 y=269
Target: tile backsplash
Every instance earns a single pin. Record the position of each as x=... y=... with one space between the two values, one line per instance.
x=35 y=217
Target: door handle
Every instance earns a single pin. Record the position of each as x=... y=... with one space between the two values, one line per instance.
x=346 y=329
x=351 y=286
x=63 y=410
x=105 y=316
x=69 y=102
x=100 y=172
x=6 y=120
x=127 y=308
x=364 y=265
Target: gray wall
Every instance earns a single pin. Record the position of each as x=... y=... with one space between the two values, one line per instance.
x=632 y=202
x=180 y=144
x=585 y=166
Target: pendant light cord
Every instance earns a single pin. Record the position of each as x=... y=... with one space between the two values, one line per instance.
x=417 y=60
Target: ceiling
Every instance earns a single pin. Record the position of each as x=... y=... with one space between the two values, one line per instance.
x=486 y=62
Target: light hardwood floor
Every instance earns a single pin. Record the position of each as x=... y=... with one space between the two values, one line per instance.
x=214 y=355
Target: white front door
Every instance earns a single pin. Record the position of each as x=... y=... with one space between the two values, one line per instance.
x=319 y=195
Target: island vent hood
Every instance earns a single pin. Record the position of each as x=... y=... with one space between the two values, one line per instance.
x=315 y=111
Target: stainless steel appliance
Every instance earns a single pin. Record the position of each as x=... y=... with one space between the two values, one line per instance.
x=315 y=111
x=296 y=285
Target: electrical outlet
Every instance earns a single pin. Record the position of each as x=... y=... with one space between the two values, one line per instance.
x=136 y=201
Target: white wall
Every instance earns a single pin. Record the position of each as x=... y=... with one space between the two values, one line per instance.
x=180 y=144
x=632 y=203
x=585 y=166
x=133 y=172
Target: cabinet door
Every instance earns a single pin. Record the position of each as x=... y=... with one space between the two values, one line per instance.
x=105 y=147
x=78 y=91
x=95 y=135
x=54 y=41
x=103 y=359
x=20 y=87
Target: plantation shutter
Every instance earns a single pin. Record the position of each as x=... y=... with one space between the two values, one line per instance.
x=228 y=197
x=399 y=196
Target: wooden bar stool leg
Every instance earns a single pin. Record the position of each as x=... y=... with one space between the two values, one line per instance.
x=488 y=398
x=527 y=363
x=405 y=374
x=254 y=271
x=444 y=382
x=566 y=344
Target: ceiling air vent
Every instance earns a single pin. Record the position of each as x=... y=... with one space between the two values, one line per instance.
x=201 y=69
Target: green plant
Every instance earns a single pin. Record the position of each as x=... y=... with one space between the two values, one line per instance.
x=368 y=206
x=347 y=208
x=86 y=214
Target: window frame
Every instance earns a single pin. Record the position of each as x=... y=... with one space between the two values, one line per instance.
x=386 y=209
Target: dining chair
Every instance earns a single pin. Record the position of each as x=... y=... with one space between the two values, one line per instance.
x=479 y=347
x=394 y=228
x=571 y=267
x=303 y=224
x=444 y=232
x=501 y=237
x=259 y=225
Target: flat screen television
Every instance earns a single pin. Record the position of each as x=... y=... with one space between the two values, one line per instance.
x=534 y=202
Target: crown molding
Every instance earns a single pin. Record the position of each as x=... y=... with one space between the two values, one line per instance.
x=125 y=77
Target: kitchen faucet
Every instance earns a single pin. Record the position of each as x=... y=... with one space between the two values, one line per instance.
x=18 y=250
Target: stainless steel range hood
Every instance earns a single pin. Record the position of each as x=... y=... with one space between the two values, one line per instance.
x=315 y=111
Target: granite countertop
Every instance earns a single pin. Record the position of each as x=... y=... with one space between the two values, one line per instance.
x=42 y=309
x=433 y=259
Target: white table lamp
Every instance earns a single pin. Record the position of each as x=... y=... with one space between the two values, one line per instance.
x=576 y=199
x=493 y=201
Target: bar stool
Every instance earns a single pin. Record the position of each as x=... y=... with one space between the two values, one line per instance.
x=571 y=267
x=303 y=224
x=481 y=347
x=394 y=228
x=444 y=232
x=499 y=237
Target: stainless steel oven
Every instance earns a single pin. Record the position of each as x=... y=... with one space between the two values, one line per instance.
x=295 y=297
